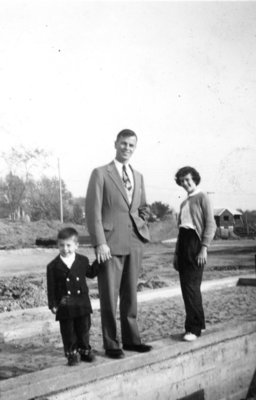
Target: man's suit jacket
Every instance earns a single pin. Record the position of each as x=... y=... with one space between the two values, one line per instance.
x=110 y=217
x=67 y=289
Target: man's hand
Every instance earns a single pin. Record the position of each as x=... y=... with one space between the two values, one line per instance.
x=54 y=310
x=102 y=253
x=202 y=256
x=144 y=212
x=175 y=262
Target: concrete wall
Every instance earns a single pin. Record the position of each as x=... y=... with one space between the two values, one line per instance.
x=220 y=365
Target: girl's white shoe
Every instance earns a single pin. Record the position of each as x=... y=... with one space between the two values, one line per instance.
x=189 y=337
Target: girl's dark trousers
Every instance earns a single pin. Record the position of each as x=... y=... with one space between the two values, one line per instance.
x=191 y=276
x=75 y=334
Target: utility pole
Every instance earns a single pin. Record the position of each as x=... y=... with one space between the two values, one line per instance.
x=60 y=188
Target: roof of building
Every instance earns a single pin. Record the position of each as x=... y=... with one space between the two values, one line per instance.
x=219 y=211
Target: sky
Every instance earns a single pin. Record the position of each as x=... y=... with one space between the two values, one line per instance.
x=182 y=75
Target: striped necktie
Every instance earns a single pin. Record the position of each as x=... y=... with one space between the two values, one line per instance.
x=126 y=179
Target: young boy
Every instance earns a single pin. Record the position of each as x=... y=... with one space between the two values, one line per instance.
x=68 y=296
x=196 y=231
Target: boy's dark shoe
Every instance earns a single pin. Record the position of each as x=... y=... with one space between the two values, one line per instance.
x=114 y=353
x=140 y=348
x=87 y=355
x=72 y=359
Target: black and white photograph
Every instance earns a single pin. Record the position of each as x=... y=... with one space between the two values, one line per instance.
x=127 y=200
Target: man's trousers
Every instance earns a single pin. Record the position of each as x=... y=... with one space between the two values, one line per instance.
x=118 y=277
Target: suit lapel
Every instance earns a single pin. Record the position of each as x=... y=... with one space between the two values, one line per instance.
x=135 y=189
x=75 y=265
x=114 y=175
x=61 y=265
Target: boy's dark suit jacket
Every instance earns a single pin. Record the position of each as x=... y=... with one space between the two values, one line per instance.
x=67 y=289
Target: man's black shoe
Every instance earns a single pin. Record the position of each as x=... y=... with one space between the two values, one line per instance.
x=140 y=348
x=114 y=353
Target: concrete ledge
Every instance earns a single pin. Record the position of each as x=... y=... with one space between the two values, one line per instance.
x=222 y=363
x=27 y=323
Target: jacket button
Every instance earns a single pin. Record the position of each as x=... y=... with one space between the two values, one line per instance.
x=77 y=278
x=78 y=292
x=69 y=292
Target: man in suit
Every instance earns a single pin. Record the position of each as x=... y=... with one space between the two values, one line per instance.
x=116 y=214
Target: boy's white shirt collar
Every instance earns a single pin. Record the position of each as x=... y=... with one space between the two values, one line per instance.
x=68 y=261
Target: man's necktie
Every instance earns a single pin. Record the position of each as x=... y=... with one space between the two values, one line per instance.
x=126 y=180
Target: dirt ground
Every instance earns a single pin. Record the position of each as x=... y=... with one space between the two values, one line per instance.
x=156 y=319
x=22 y=272
x=24 y=234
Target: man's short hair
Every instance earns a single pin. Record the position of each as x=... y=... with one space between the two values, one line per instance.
x=67 y=233
x=185 y=171
x=126 y=133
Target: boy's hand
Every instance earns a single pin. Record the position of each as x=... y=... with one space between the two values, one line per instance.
x=202 y=256
x=54 y=310
x=102 y=253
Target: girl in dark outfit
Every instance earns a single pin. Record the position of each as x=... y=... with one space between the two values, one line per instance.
x=196 y=231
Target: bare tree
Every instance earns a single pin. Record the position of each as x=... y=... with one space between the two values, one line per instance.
x=25 y=162
x=21 y=164
x=44 y=200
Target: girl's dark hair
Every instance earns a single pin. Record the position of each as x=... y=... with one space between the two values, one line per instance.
x=185 y=171
x=67 y=233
